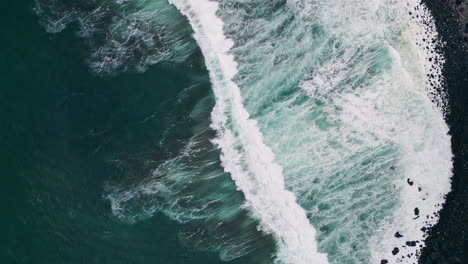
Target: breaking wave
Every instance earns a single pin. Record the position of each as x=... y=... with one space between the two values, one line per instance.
x=324 y=140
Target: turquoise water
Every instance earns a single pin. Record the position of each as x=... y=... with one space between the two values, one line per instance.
x=246 y=131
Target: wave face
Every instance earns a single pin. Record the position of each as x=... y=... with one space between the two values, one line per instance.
x=324 y=140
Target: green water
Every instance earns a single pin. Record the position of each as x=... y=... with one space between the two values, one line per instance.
x=60 y=126
x=196 y=131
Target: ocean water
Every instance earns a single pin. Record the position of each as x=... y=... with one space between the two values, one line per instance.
x=197 y=131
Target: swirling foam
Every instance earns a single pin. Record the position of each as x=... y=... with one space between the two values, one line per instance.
x=340 y=91
x=121 y=35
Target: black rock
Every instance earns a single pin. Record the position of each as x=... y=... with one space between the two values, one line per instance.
x=410 y=182
x=398 y=235
x=416 y=211
x=383 y=261
x=411 y=243
x=395 y=251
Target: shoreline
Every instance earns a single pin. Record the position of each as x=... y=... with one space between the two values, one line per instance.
x=448 y=240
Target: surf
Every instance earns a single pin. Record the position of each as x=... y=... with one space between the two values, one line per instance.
x=250 y=162
x=325 y=131
x=349 y=97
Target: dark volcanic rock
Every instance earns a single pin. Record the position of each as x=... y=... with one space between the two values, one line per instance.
x=411 y=243
x=448 y=240
x=410 y=182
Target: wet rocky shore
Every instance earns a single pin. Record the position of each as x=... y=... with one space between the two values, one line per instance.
x=448 y=240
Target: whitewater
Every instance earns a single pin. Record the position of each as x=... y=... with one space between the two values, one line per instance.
x=324 y=140
x=250 y=163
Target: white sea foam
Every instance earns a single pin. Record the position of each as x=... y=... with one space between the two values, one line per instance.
x=368 y=124
x=244 y=155
x=426 y=151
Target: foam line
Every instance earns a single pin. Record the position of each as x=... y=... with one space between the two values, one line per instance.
x=244 y=155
